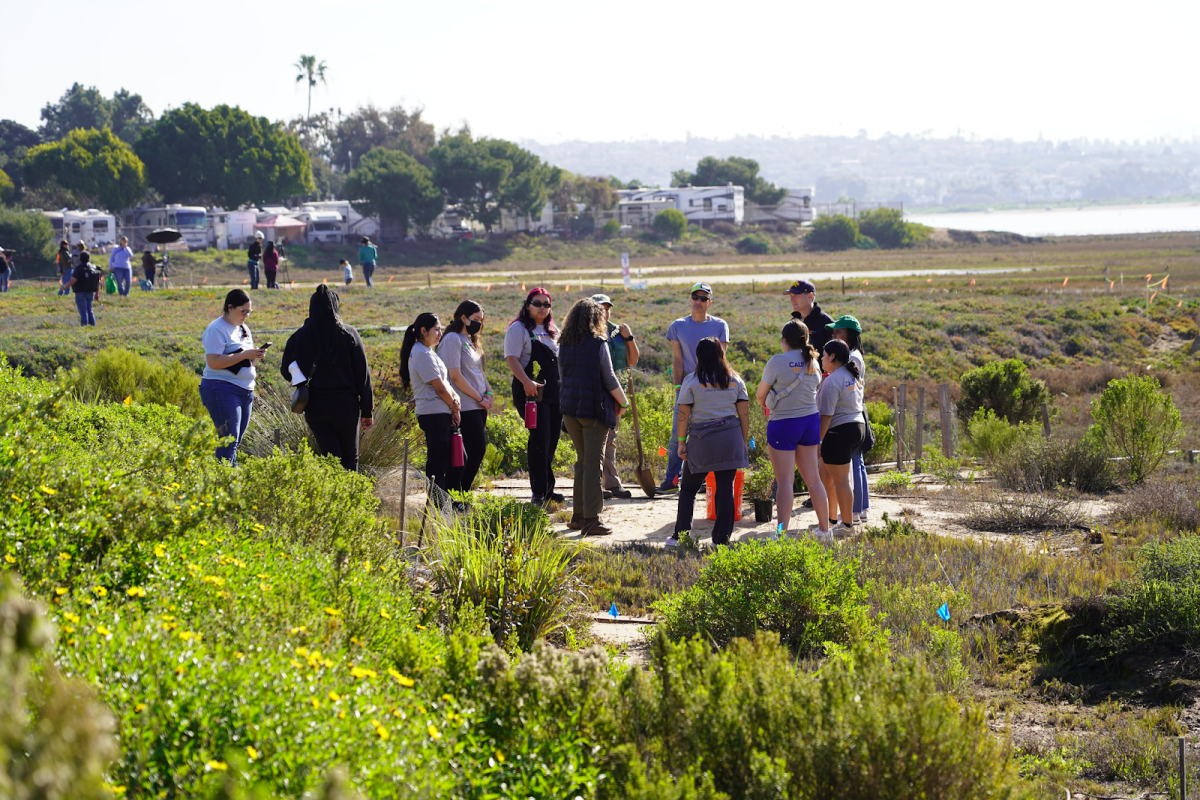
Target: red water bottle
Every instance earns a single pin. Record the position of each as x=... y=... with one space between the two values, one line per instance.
x=530 y=414
x=458 y=454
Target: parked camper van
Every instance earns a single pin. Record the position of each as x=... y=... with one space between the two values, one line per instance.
x=354 y=225
x=700 y=204
x=56 y=221
x=93 y=227
x=191 y=221
x=323 y=225
x=231 y=230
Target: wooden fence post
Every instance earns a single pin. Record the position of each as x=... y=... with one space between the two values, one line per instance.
x=278 y=439
x=403 y=492
x=919 y=449
x=944 y=418
x=1046 y=419
x=901 y=414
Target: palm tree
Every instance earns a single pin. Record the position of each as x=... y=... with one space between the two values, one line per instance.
x=313 y=72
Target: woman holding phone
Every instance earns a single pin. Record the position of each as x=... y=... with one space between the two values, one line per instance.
x=227 y=385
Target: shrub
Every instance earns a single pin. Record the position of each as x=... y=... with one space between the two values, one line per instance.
x=1161 y=605
x=756 y=244
x=893 y=482
x=1174 y=503
x=491 y=515
x=1017 y=513
x=796 y=589
x=1037 y=464
x=989 y=437
x=880 y=416
x=114 y=374
x=1005 y=387
x=670 y=223
x=887 y=227
x=507 y=440
x=634 y=576
x=32 y=236
x=610 y=229
x=1135 y=420
x=835 y=232
x=723 y=228
x=759 y=484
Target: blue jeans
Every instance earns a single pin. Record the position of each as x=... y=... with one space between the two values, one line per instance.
x=368 y=269
x=83 y=302
x=858 y=471
x=66 y=276
x=252 y=268
x=4 y=276
x=229 y=405
x=674 y=462
x=123 y=276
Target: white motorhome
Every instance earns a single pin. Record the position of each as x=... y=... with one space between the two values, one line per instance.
x=93 y=227
x=231 y=230
x=526 y=223
x=56 y=221
x=323 y=225
x=641 y=213
x=354 y=224
x=796 y=207
x=700 y=204
x=191 y=221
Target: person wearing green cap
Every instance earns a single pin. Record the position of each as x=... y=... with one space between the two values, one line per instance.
x=847 y=328
x=624 y=353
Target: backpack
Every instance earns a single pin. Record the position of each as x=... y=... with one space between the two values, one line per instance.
x=90 y=282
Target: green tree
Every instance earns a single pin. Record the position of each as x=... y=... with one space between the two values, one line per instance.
x=486 y=175
x=94 y=164
x=126 y=114
x=1005 y=387
x=394 y=184
x=7 y=189
x=312 y=72
x=32 y=236
x=738 y=171
x=832 y=232
x=888 y=228
x=369 y=127
x=15 y=141
x=1134 y=419
x=224 y=155
x=596 y=194
x=670 y=223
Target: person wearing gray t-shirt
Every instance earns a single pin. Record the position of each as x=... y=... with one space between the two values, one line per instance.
x=840 y=402
x=438 y=405
x=227 y=385
x=461 y=351
x=788 y=396
x=685 y=334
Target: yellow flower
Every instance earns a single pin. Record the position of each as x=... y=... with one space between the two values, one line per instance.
x=383 y=612
x=366 y=566
x=103 y=631
x=214 y=580
x=333 y=612
x=299 y=629
x=262 y=575
x=219 y=766
x=295 y=663
x=239 y=655
x=68 y=628
x=179 y=670
x=9 y=559
x=159 y=551
x=69 y=617
x=64 y=556
x=135 y=591
x=359 y=672
x=448 y=698
x=100 y=591
x=140 y=707
x=381 y=732
x=334 y=696
x=264 y=586
x=60 y=590
x=401 y=679
x=434 y=733
x=250 y=751
x=48 y=490
x=16 y=499
x=115 y=789
x=302 y=652
x=341 y=715
x=315 y=702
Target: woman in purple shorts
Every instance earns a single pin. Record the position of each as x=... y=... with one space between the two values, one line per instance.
x=788 y=395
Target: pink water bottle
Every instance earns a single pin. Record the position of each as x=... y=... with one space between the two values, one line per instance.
x=458 y=454
x=530 y=414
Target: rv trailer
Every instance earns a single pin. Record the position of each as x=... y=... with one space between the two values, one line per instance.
x=191 y=221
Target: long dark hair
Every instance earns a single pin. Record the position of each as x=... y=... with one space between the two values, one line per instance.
x=853 y=339
x=270 y=248
x=235 y=298
x=840 y=352
x=465 y=309
x=585 y=321
x=526 y=319
x=712 y=368
x=795 y=333
x=424 y=321
x=325 y=317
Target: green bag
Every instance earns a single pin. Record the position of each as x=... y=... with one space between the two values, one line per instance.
x=110 y=284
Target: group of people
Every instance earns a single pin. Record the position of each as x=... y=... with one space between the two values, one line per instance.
x=268 y=255
x=79 y=275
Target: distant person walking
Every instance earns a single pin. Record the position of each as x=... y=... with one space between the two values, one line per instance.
x=120 y=262
x=840 y=402
x=462 y=353
x=805 y=308
x=592 y=402
x=270 y=262
x=227 y=384
x=347 y=271
x=65 y=266
x=714 y=432
x=847 y=329
x=367 y=255
x=149 y=265
x=438 y=405
x=253 y=256
x=85 y=282
x=531 y=350
x=788 y=396
x=6 y=270
x=330 y=354
x=624 y=352
x=685 y=334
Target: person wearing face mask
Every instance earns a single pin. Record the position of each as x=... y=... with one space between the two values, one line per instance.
x=425 y=375
x=531 y=350
x=463 y=356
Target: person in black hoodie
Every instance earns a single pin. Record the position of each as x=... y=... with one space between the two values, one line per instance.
x=330 y=355
x=806 y=309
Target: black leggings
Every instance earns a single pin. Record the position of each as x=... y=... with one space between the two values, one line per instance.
x=437 y=447
x=336 y=434
x=474 y=434
x=689 y=485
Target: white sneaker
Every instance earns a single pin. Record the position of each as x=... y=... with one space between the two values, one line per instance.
x=842 y=530
x=822 y=537
x=672 y=541
x=776 y=535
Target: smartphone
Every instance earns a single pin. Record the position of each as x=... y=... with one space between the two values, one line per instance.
x=266 y=345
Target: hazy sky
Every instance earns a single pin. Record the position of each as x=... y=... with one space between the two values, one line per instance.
x=551 y=71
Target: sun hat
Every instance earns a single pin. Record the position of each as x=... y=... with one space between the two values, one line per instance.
x=847 y=322
x=602 y=299
x=702 y=287
x=258 y=235
x=801 y=287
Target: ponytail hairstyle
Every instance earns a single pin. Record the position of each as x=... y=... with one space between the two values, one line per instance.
x=465 y=309
x=526 y=319
x=235 y=298
x=412 y=334
x=712 y=368
x=270 y=248
x=839 y=351
x=795 y=333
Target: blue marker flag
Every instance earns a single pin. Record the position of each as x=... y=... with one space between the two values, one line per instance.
x=751 y=442
x=943 y=611
x=612 y=612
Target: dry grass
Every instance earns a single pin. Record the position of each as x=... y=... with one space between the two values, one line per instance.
x=1003 y=512
x=1173 y=502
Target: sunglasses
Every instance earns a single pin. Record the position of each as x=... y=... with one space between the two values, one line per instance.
x=703 y=297
x=538 y=304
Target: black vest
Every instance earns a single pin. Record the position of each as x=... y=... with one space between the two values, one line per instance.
x=583 y=392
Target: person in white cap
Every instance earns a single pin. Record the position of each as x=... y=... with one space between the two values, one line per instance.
x=624 y=352
x=253 y=256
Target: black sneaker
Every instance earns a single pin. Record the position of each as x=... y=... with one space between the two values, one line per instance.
x=807 y=503
x=620 y=494
x=555 y=497
x=667 y=488
x=607 y=494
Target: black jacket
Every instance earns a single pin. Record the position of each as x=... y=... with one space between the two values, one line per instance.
x=816 y=321
x=345 y=374
x=254 y=253
x=583 y=393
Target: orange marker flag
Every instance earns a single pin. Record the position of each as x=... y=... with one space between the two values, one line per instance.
x=489 y=288
x=324 y=280
x=205 y=279
x=128 y=400
x=1111 y=284
x=1153 y=296
x=293 y=284
x=1179 y=304
x=864 y=283
x=662 y=451
x=1164 y=281
x=1148 y=278
x=245 y=280
x=929 y=280
x=522 y=287
x=1065 y=281
x=391 y=278
x=972 y=281
x=567 y=288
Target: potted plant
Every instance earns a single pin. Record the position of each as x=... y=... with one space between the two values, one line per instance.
x=758 y=489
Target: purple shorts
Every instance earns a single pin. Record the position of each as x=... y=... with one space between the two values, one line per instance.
x=788 y=434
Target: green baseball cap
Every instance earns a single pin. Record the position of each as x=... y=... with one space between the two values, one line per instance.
x=845 y=322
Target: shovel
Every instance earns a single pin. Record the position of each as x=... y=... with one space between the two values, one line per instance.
x=645 y=477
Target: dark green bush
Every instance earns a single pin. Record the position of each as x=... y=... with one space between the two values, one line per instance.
x=989 y=437
x=1005 y=387
x=670 y=223
x=888 y=228
x=610 y=229
x=1037 y=464
x=32 y=236
x=491 y=515
x=756 y=244
x=880 y=416
x=114 y=374
x=1161 y=605
x=1138 y=422
x=835 y=232
x=796 y=589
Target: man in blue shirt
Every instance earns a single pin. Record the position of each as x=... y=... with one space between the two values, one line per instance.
x=684 y=334
x=366 y=259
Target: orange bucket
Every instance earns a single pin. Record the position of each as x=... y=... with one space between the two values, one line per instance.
x=711 y=482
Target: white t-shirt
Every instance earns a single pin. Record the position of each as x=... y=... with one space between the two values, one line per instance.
x=517 y=341
x=712 y=402
x=457 y=352
x=221 y=338
x=780 y=372
x=424 y=367
x=841 y=397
